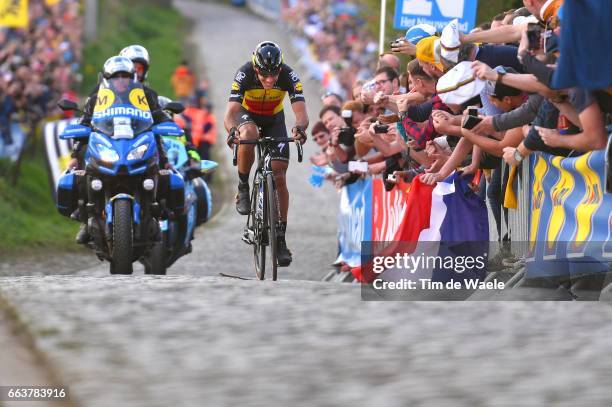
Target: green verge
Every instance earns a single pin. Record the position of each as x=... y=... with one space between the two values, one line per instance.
x=29 y=221
x=153 y=24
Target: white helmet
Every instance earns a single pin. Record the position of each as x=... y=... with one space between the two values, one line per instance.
x=117 y=64
x=137 y=53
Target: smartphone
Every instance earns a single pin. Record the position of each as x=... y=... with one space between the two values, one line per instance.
x=534 y=34
x=360 y=166
x=397 y=42
x=472 y=111
x=381 y=128
x=469 y=122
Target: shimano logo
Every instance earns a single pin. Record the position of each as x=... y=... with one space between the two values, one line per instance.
x=123 y=111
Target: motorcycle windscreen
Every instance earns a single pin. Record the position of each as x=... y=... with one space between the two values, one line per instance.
x=121 y=109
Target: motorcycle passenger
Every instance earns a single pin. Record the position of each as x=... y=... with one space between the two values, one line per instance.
x=256 y=100
x=140 y=58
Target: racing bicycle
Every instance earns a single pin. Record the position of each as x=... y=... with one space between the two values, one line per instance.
x=260 y=229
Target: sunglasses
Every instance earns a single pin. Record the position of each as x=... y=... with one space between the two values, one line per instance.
x=122 y=75
x=268 y=74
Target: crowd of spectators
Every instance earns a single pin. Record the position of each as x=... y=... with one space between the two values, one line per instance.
x=39 y=63
x=481 y=102
x=334 y=42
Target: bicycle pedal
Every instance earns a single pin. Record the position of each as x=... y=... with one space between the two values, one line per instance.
x=248 y=236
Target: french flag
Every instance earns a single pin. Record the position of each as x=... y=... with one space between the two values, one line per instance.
x=446 y=220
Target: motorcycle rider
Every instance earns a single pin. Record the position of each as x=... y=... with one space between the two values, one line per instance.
x=116 y=66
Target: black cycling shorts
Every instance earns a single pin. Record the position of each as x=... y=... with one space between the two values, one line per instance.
x=273 y=127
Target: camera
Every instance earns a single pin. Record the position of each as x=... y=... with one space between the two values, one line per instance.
x=347 y=115
x=347 y=134
x=381 y=128
x=534 y=34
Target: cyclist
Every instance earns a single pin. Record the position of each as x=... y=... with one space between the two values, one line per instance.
x=256 y=100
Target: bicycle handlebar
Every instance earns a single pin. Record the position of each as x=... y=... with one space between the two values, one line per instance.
x=267 y=140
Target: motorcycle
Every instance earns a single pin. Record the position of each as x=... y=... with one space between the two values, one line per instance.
x=178 y=229
x=122 y=192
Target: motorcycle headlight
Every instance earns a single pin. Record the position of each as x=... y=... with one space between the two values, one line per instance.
x=107 y=155
x=138 y=152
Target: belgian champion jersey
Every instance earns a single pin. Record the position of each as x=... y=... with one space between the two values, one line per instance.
x=248 y=91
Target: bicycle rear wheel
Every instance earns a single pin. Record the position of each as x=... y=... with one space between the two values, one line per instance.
x=272 y=220
x=258 y=219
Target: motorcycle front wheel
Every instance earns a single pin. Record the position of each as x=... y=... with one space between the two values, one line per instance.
x=121 y=255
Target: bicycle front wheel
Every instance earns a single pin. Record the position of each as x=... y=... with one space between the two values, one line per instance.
x=258 y=219
x=272 y=220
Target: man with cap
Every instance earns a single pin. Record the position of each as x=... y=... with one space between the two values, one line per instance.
x=428 y=55
x=421 y=131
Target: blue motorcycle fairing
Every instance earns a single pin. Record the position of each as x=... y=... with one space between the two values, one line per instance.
x=111 y=154
x=176 y=152
x=135 y=208
x=168 y=129
x=75 y=131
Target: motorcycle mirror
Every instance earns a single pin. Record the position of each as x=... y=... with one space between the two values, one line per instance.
x=175 y=107
x=208 y=165
x=66 y=104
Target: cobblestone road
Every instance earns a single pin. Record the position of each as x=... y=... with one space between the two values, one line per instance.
x=193 y=338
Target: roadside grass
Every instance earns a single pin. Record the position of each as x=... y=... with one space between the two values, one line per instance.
x=29 y=220
x=153 y=24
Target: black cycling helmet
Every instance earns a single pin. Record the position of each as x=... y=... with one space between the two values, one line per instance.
x=267 y=58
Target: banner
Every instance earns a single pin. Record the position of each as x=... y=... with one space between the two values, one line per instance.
x=57 y=151
x=14 y=13
x=571 y=215
x=354 y=220
x=437 y=13
x=12 y=140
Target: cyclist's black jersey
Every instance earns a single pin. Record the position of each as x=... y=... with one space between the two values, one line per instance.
x=248 y=91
